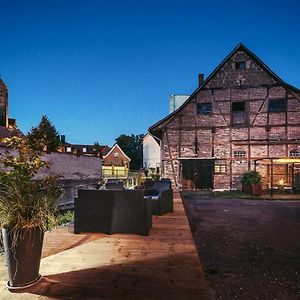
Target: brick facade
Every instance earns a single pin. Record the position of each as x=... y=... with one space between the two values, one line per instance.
x=3 y=104
x=115 y=163
x=251 y=114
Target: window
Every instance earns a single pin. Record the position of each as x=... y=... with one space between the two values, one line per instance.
x=69 y=149
x=203 y=108
x=238 y=112
x=220 y=166
x=295 y=153
x=239 y=153
x=277 y=105
x=116 y=154
x=238 y=106
x=241 y=65
x=84 y=150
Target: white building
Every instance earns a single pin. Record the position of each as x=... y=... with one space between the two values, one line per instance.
x=151 y=153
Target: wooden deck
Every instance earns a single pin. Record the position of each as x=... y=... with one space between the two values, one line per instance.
x=163 y=265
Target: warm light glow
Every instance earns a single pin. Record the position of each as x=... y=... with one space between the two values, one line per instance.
x=281 y=182
x=287 y=160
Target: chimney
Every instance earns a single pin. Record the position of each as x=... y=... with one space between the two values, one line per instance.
x=200 y=79
x=63 y=139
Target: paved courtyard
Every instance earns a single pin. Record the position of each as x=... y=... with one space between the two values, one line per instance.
x=249 y=249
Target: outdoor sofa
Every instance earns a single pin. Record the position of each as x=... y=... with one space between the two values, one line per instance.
x=112 y=211
x=161 y=196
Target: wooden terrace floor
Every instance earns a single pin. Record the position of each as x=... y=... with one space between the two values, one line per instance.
x=163 y=265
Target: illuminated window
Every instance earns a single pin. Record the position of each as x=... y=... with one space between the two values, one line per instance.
x=69 y=149
x=239 y=153
x=220 y=166
x=295 y=153
x=203 y=108
x=84 y=150
x=277 y=105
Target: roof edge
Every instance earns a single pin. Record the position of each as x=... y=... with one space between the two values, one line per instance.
x=240 y=46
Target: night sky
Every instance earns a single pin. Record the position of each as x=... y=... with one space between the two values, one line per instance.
x=99 y=69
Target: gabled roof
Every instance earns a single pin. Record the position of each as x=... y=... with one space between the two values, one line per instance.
x=112 y=149
x=148 y=135
x=239 y=47
x=90 y=148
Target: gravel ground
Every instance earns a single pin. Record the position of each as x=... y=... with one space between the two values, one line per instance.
x=249 y=249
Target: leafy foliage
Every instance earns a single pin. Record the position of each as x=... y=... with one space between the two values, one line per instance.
x=251 y=177
x=97 y=148
x=65 y=217
x=43 y=135
x=132 y=145
x=25 y=202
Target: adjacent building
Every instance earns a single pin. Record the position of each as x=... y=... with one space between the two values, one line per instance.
x=115 y=163
x=242 y=117
x=151 y=154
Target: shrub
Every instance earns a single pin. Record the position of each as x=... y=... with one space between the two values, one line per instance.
x=65 y=217
x=24 y=201
x=251 y=177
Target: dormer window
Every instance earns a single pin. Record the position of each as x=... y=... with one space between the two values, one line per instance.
x=240 y=65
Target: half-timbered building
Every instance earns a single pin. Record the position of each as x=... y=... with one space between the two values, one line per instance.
x=243 y=116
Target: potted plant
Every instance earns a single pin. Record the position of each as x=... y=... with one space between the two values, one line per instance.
x=27 y=207
x=251 y=183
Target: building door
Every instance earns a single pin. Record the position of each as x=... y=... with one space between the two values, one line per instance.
x=199 y=171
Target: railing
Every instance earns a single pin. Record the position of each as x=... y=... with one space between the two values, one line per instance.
x=115 y=173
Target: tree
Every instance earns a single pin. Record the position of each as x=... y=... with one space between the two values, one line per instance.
x=97 y=148
x=44 y=134
x=132 y=145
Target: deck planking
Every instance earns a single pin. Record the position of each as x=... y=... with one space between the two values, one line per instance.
x=163 y=265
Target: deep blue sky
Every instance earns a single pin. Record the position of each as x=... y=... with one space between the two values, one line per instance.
x=102 y=68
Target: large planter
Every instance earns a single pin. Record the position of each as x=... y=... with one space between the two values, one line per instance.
x=23 y=259
x=252 y=189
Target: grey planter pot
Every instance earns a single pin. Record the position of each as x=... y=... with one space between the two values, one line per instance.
x=23 y=259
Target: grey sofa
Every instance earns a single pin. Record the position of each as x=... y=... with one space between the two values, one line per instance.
x=112 y=211
x=161 y=196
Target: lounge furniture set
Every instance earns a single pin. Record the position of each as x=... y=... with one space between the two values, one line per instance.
x=117 y=210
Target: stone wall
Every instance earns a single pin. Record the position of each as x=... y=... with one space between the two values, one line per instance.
x=76 y=171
